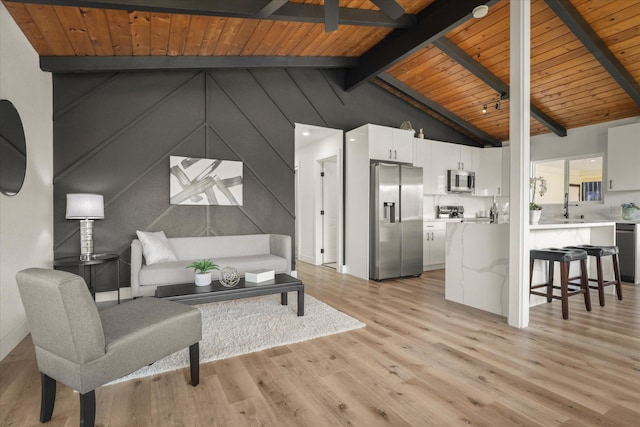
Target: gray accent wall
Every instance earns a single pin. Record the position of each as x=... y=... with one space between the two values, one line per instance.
x=114 y=133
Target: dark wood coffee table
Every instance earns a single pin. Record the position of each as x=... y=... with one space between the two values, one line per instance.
x=189 y=293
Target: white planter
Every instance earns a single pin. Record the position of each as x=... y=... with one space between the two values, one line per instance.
x=203 y=279
x=534 y=216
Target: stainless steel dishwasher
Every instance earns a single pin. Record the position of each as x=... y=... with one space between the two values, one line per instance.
x=626 y=242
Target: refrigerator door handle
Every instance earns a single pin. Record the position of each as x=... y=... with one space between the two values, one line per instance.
x=389 y=212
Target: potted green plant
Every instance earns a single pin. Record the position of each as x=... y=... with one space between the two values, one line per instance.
x=203 y=269
x=535 y=210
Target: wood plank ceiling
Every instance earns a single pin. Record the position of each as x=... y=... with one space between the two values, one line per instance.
x=451 y=75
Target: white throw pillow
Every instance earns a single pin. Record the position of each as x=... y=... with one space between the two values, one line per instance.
x=155 y=247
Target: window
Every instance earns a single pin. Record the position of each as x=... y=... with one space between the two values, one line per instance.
x=580 y=177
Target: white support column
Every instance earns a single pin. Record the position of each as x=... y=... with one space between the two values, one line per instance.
x=519 y=127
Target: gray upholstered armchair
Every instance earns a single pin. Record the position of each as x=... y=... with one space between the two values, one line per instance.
x=84 y=348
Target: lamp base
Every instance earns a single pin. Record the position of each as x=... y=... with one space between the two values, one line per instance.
x=86 y=239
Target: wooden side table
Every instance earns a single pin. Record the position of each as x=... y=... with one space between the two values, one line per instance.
x=97 y=259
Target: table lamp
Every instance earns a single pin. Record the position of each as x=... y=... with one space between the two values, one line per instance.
x=85 y=207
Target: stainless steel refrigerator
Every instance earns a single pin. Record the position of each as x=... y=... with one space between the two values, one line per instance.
x=395 y=238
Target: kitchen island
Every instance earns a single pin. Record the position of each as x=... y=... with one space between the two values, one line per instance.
x=477 y=258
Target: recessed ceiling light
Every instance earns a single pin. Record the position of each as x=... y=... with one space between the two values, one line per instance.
x=480 y=11
x=351 y=139
x=306 y=133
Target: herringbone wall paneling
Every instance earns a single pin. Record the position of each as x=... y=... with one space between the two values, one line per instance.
x=114 y=133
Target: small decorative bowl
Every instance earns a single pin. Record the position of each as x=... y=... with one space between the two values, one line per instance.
x=229 y=277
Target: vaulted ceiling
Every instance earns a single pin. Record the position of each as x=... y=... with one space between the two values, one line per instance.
x=585 y=54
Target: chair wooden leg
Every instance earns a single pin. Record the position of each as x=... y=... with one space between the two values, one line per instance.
x=584 y=282
x=531 y=261
x=194 y=362
x=600 y=281
x=550 y=281
x=47 y=397
x=88 y=409
x=616 y=272
x=564 y=288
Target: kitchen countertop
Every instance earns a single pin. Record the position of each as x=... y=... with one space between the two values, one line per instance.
x=556 y=223
x=628 y=221
x=550 y=224
x=477 y=258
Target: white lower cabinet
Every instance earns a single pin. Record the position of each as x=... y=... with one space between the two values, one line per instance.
x=433 y=244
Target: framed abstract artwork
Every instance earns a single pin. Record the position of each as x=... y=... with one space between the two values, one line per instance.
x=194 y=181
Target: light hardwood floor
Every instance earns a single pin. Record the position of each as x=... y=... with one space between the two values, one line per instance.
x=420 y=361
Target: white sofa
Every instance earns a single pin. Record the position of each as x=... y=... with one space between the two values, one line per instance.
x=244 y=252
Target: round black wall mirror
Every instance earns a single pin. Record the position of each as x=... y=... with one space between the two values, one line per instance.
x=13 y=149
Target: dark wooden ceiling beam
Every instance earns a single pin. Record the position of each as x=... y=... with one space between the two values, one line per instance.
x=331 y=15
x=484 y=137
x=391 y=8
x=433 y=22
x=590 y=39
x=270 y=8
x=248 y=9
x=547 y=121
x=88 y=64
x=477 y=69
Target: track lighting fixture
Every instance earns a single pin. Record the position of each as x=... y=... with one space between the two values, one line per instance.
x=495 y=103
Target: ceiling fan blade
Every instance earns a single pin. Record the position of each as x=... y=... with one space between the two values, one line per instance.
x=331 y=8
x=391 y=8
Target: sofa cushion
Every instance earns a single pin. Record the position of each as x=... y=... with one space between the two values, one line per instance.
x=169 y=273
x=218 y=247
x=155 y=247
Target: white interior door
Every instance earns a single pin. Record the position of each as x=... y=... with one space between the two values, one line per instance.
x=330 y=208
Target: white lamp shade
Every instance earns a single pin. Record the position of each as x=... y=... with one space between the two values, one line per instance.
x=85 y=206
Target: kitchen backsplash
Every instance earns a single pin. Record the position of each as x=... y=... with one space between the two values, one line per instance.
x=473 y=206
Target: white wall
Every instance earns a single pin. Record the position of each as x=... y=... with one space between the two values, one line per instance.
x=309 y=193
x=26 y=219
x=580 y=141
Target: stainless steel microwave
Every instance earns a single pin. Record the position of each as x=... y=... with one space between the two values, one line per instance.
x=460 y=181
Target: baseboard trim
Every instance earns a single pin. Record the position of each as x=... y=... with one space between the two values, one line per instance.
x=13 y=338
x=125 y=293
x=307 y=259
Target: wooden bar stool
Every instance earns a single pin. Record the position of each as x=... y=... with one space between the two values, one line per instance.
x=564 y=257
x=598 y=252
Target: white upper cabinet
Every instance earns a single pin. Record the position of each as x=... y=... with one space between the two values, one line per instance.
x=623 y=152
x=453 y=156
x=433 y=173
x=488 y=168
x=422 y=158
x=466 y=157
x=436 y=157
x=390 y=144
x=444 y=156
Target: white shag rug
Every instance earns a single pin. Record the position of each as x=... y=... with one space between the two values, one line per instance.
x=232 y=328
